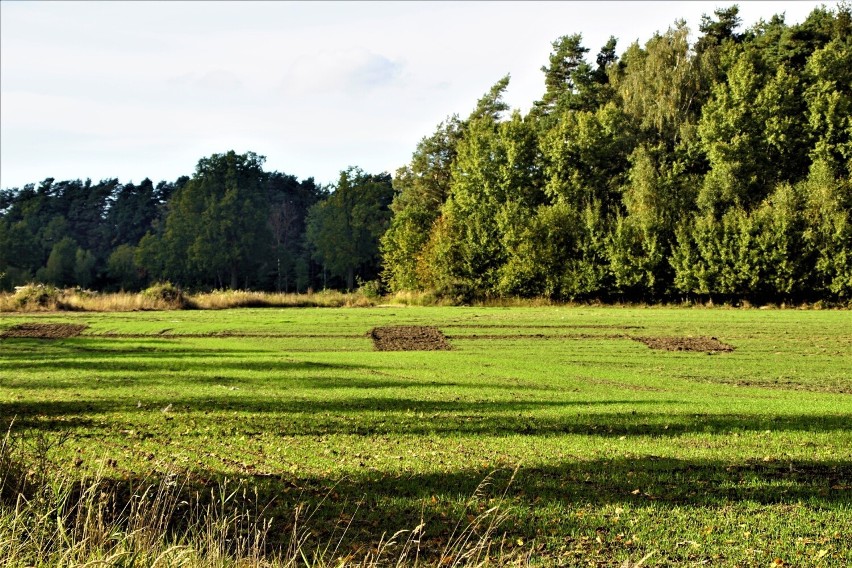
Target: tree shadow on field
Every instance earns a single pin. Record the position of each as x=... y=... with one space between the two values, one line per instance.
x=46 y=365
x=374 y=505
x=661 y=481
x=394 y=502
x=377 y=412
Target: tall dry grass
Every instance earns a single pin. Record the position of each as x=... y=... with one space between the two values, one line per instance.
x=47 y=518
x=224 y=299
x=39 y=298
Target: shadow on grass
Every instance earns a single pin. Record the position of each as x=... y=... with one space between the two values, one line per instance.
x=375 y=504
x=542 y=502
x=395 y=415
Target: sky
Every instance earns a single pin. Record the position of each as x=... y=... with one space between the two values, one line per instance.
x=131 y=90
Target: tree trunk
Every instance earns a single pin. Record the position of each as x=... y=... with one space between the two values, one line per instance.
x=350 y=278
x=234 y=277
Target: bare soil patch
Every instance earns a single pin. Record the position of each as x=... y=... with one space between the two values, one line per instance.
x=699 y=344
x=408 y=338
x=44 y=330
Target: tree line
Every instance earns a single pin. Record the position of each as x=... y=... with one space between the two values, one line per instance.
x=718 y=169
x=714 y=170
x=230 y=225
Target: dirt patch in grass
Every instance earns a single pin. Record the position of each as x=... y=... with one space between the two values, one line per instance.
x=408 y=338
x=44 y=330
x=699 y=344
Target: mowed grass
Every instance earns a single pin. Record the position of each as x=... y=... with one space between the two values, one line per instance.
x=617 y=450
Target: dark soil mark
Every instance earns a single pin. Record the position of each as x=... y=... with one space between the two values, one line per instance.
x=539 y=336
x=44 y=330
x=836 y=388
x=620 y=385
x=408 y=338
x=167 y=334
x=700 y=344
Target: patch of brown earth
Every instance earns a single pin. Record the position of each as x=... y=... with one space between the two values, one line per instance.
x=408 y=338
x=699 y=344
x=44 y=330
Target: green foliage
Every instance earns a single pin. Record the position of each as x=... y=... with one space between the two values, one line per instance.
x=636 y=257
x=439 y=265
x=674 y=169
x=421 y=189
x=344 y=230
x=60 y=268
x=828 y=230
x=585 y=156
x=560 y=255
x=371 y=289
x=566 y=72
x=84 y=265
x=659 y=84
x=401 y=246
x=122 y=267
x=829 y=102
x=759 y=256
x=288 y=265
x=216 y=224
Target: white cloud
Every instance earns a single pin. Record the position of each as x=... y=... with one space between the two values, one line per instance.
x=344 y=71
x=219 y=80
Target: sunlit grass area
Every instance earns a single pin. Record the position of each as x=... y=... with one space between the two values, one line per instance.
x=594 y=448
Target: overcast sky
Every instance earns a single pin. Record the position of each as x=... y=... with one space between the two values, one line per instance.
x=130 y=90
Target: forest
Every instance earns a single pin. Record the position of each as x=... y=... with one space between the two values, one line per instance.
x=713 y=170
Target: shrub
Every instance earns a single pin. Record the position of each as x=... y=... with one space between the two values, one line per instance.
x=457 y=292
x=371 y=289
x=166 y=294
x=36 y=296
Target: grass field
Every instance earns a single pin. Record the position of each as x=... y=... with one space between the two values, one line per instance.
x=596 y=448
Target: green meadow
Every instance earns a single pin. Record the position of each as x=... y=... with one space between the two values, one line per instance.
x=578 y=444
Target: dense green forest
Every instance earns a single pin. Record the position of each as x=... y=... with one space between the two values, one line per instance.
x=230 y=225
x=718 y=169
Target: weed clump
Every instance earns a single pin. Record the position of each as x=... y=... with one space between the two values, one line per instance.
x=371 y=289
x=166 y=295
x=33 y=297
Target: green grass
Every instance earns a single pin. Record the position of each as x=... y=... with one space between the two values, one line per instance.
x=733 y=459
